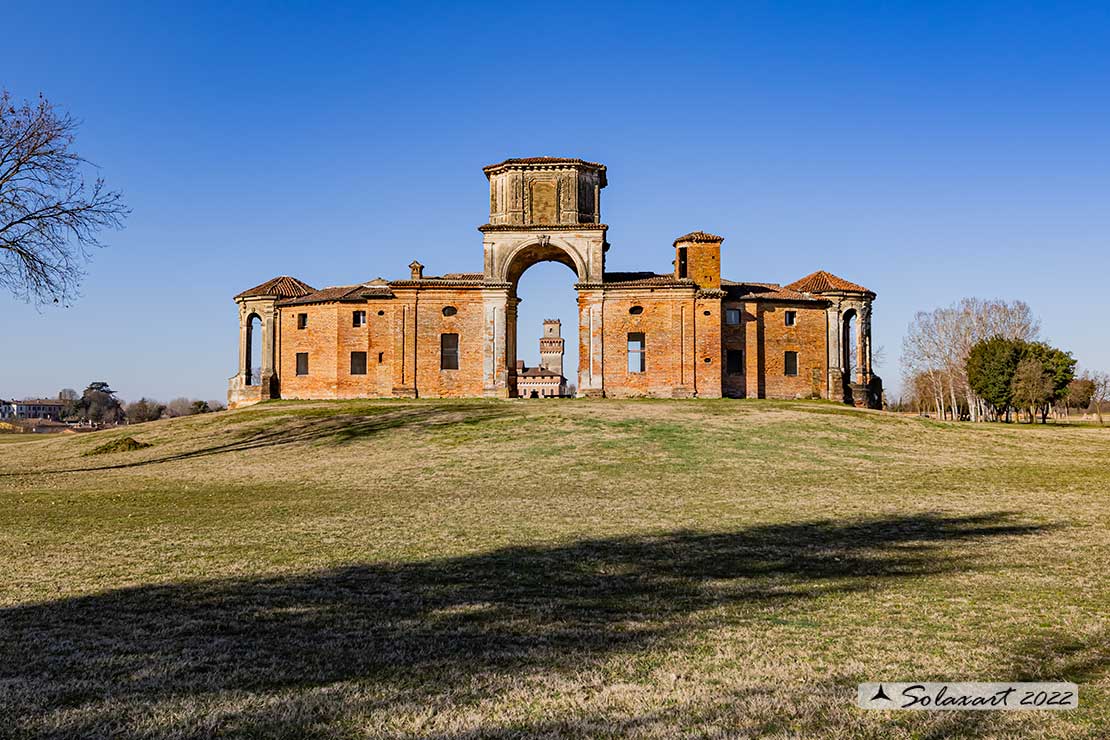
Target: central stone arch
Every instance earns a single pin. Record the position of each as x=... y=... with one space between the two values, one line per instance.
x=517 y=260
x=509 y=255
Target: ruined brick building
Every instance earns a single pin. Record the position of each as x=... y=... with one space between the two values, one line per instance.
x=683 y=333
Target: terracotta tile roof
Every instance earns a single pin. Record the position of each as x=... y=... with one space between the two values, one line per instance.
x=542 y=160
x=698 y=236
x=340 y=293
x=825 y=282
x=538 y=372
x=282 y=286
x=765 y=291
x=463 y=276
x=644 y=278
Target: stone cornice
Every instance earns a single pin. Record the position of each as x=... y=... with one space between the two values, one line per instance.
x=542 y=227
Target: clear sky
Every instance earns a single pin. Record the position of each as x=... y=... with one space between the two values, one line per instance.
x=927 y=150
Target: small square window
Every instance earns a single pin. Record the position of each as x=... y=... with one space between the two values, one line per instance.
x=448 y=351
x=358 y=318
x=302 y=321
x=790 y=317
x=732 y=316
x=358 y=363
x=636 y=352
x=734 y=361
x=790 y=363
x=302 y=363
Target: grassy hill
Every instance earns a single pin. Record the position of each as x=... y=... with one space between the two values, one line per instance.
x=463 y=568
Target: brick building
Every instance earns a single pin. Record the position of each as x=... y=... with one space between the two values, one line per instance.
x=683 y=333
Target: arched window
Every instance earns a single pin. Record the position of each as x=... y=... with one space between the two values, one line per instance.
x=850 y=346
x=252 y=366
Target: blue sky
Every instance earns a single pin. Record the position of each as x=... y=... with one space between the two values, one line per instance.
x=929 y=151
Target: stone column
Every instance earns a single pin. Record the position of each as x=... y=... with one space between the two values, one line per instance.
x=591 y=360
x=268 y=326
x=495 y=351
x=864 y=343
x=834 y=318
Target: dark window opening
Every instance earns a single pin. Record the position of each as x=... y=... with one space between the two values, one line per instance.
x=448 y=351
x=636 y=352
x=302 y=321
x=790 y=317
x=636 y=310
x=358 y=363
x=790 y=363
x=734 y=362
x=381 y=313
x=302 y=363
x=381 y=357
x=682 y=262
x=358 y=318
x=450 y=310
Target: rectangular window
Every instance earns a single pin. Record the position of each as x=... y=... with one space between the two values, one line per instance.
x=732 y=316
x=790 y=363
x=636 y=352
x=358 y=363
x=358 y=318
x=791 y=317
x=734 y=361
x=448 y=351
x=682 y=262
x=302 y=321
x=381 y=357
x=302 y=363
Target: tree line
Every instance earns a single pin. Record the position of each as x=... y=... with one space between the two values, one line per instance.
x=983 y=360
x=99 y=404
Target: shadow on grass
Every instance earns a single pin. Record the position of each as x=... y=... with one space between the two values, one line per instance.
x=291 y=429
x=470 y=628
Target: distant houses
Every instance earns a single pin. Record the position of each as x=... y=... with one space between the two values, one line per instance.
x=32 y=408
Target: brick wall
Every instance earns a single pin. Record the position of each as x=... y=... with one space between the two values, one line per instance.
x=467 y=322
x=807 y=337
x=668 y=325
x=401 y=339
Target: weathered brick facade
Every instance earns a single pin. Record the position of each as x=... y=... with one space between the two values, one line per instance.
x=686 y=333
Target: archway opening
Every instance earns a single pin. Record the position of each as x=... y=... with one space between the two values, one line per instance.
x=253 y=364
x=851 y=347
x=543 y=355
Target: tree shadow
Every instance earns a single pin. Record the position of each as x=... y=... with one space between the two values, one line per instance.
x=306 y=428
x=408 y=632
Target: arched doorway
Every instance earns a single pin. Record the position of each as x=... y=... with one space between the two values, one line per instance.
x=252 y=367
x=541 y=296
x=850 y=344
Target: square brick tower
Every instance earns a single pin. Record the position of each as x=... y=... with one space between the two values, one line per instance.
x=552 y=346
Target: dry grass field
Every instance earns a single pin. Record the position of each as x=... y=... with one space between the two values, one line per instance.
x=577 y=568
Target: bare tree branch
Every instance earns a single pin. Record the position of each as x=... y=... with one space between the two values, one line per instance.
x=49 y=216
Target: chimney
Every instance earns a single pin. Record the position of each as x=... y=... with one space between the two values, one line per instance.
x=417 y=270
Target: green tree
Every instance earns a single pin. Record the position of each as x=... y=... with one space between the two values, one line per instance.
x=1060 y=368
x=98 y=404
x=991 y=365
x=201 y=407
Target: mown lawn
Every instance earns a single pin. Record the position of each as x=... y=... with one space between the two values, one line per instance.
x=581 y=568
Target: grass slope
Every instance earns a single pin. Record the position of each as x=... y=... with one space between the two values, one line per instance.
x=589 y=568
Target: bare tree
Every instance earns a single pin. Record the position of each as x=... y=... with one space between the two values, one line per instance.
x=1101 y=392
x=937 y=344
x=49 y=215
